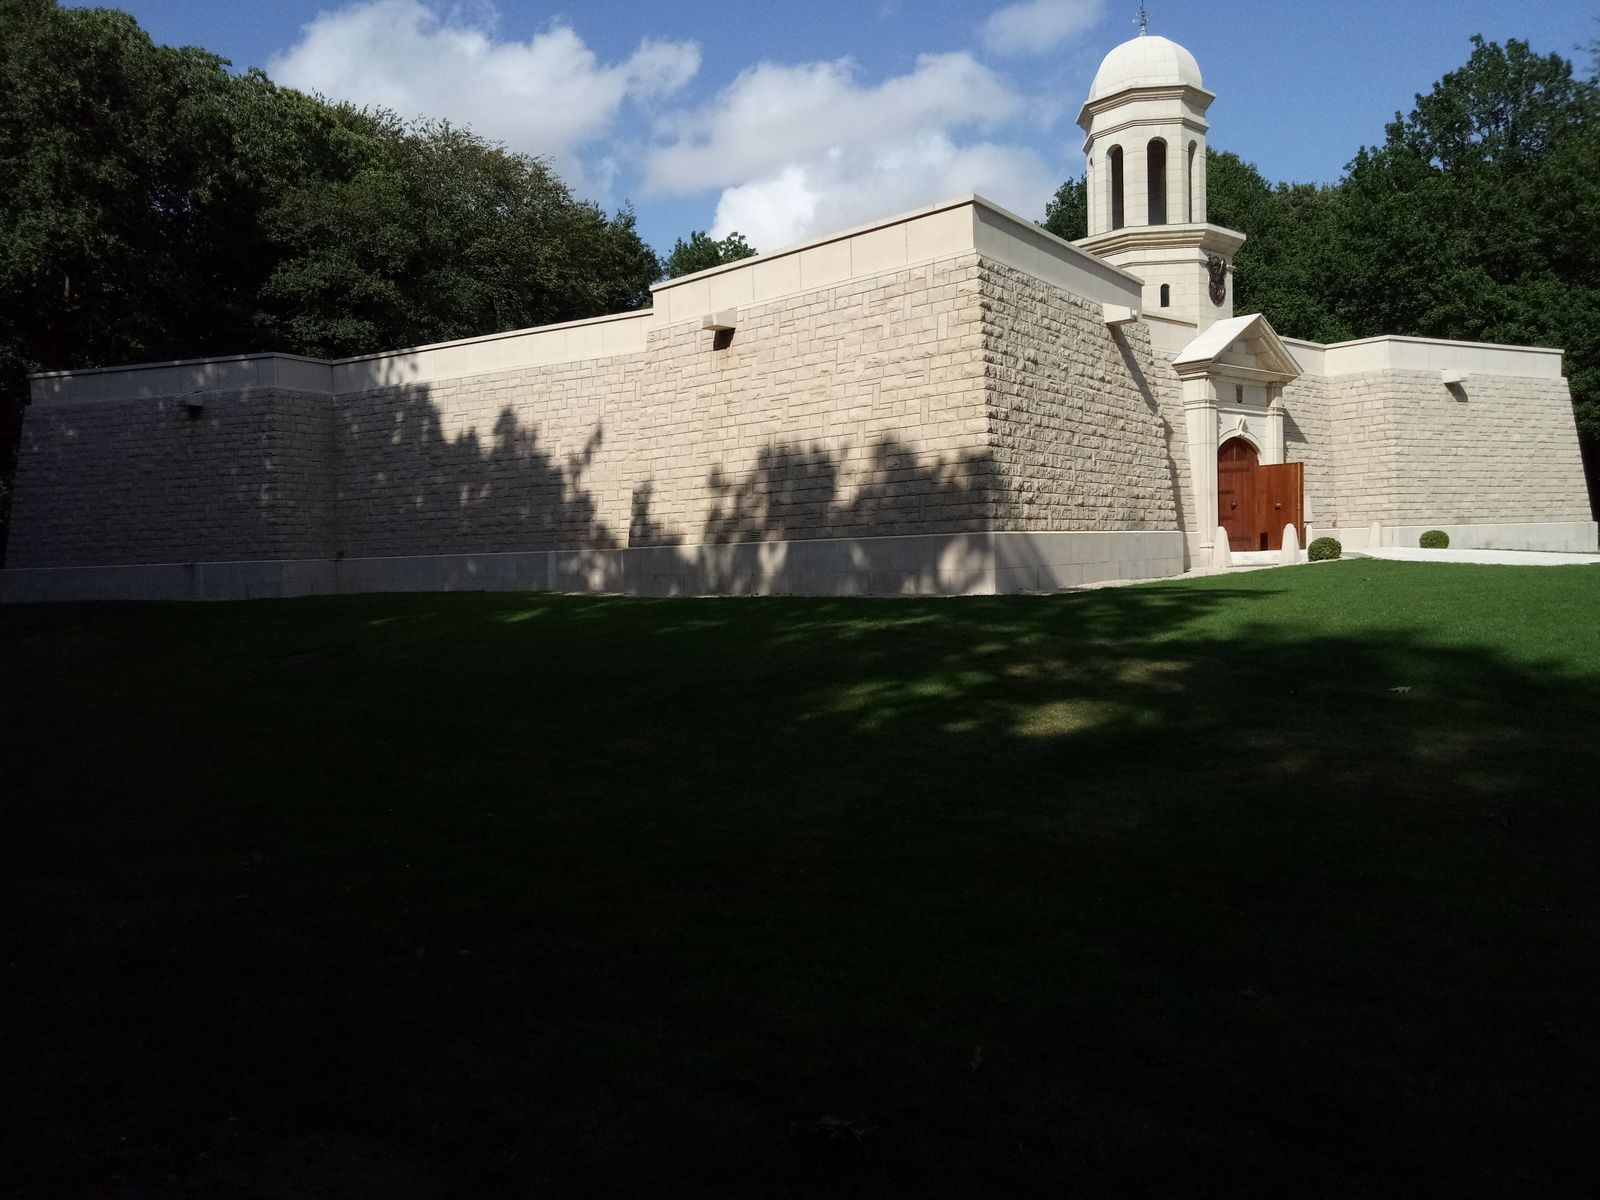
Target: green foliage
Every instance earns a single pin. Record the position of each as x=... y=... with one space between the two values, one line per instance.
x=113 y=166
x=1292 y=251
x=1066 y=214
x=1434 y=539
x=1324 y=548
x=702 y=252
x=425 y=233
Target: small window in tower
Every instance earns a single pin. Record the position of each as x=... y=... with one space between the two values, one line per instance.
x=1156 y=177
x=1116 y=188
x=1166 y=295
x=1238 y=393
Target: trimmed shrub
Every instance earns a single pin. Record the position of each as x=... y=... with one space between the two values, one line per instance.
x=1324 y=548
x=1434 y=539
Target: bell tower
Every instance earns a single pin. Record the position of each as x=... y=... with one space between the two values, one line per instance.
x=1145 y=138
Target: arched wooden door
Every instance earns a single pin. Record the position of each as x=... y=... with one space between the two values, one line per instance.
x=1236 y=493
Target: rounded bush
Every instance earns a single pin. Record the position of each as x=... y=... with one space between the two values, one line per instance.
x=1324 y=548
x=1434 y=539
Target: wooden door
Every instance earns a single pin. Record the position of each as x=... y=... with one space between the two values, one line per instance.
x=1279 y=500
x=1236 y=493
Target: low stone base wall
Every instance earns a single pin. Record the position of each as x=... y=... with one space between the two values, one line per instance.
x=1564 y=536
x=929 y=565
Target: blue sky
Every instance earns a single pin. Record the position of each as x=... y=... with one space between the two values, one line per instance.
x=789 y=120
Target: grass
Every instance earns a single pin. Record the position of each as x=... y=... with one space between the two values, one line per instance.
x=1275 y=884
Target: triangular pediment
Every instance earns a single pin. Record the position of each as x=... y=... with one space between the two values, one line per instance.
x=1245 y=345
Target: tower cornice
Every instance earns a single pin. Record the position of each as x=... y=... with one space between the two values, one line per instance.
x=1196 y=96
x=1194 y=125
x=1207 y=238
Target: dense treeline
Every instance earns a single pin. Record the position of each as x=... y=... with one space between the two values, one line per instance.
x=154 y=205
x=1477 y=218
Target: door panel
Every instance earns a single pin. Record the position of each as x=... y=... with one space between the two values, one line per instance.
x=1236 y=492
x=1236 y=505
x=1279 y=501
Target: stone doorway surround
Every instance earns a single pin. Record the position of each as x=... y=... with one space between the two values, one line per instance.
x=1233 y=376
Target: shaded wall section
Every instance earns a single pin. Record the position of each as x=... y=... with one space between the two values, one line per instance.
x=248 y=476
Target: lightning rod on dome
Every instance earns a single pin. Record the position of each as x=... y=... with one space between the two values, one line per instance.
x=1144 y=21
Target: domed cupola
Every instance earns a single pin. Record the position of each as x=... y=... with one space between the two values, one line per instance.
x=1145 y=121
x=1145 y=61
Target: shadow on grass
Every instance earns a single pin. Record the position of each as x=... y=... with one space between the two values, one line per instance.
x=1164 y=890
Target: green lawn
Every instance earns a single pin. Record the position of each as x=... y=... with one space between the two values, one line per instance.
x=1278 y=884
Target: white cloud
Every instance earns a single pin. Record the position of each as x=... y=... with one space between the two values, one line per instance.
x=1039 y=26
x=806 y=149
x=549 y=95
x=852 y=186
x=774 y=115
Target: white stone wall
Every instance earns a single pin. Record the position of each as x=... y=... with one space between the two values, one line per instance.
x=1307 y=430
x=141 y=481
x=853 y=409
x=1499 y=449
x=1076 y=412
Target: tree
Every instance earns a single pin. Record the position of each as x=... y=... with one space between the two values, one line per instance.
x=110 y=149
x=1291 y=252
x=430 y=233
x=702 y=252
x=1066 y=214
x=1475 y=219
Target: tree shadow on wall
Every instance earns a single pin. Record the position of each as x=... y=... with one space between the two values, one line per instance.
x=409 y=486
x=905 y=525
x=878 y=517
x=644 y=529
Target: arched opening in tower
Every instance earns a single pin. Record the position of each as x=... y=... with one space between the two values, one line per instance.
x=1116 y=188
x=1156 y=176
x=1188 y=214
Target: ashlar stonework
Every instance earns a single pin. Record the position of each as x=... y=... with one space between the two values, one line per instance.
x=948 y=401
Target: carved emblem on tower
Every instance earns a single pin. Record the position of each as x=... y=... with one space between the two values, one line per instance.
x=1217 y=268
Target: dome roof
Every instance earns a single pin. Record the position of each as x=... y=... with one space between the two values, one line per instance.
x=1144 y=61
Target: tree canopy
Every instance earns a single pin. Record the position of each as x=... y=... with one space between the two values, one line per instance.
x=702 y=252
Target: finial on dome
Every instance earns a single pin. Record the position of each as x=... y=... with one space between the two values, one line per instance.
x=1144 y=22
